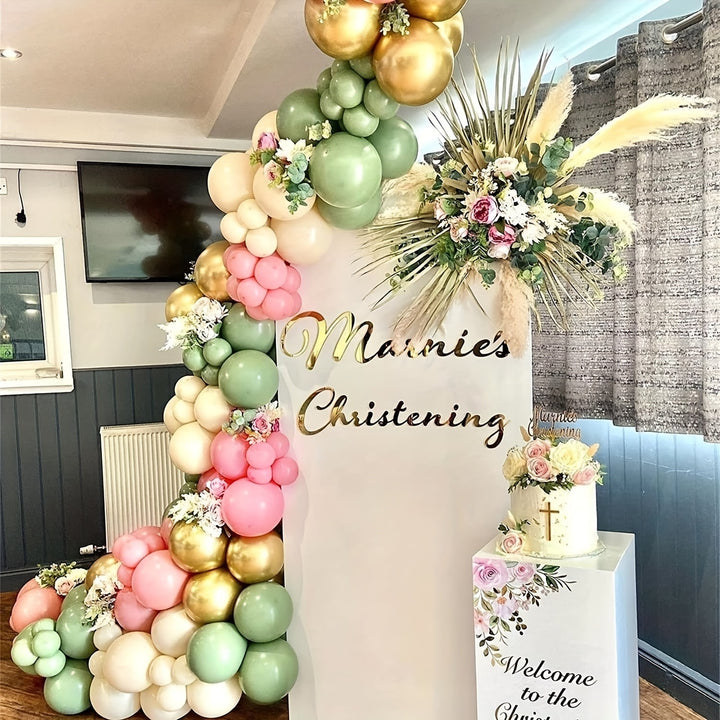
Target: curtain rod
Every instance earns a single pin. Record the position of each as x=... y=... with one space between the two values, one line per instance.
x=668 y=34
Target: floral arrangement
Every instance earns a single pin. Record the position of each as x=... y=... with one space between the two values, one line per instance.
x=552 y=465
x=502 y=206
x=203 y=508
x=256 y=423
x=513 y=535
x=286 y=163
x=503 y=592
x=200 y=324
x=61 y=576
x=100 y=601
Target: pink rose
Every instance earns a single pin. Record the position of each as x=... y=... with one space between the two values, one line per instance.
x=512 y=542
x=439 y=210
x=63 y=586
x=261 y=424
x=273 y=172
x=540 y=468
x=524 y=572
x=482 y=626
x=217 y=486
x=504 y=606
x=586 y=476
x=267 y=141
x=490 y=574
x=485 y=210
x=458 y=229
x=537 y=448
x=500 y=242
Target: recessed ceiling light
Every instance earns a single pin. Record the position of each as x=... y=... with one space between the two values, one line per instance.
x=10 y=53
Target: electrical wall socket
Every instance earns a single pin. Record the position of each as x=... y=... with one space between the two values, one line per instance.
x=3 y=186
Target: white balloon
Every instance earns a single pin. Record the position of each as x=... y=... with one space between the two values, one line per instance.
x=251 y=215
x=161 y=670
x=171 y=630
x=212 y=409
x=232 y=229
x=213 y=700
x=182 y=674
x=110 y=703
x=190 y=448
x=230 y=180
x=304 y=240
x=127 y=662
x=188 y=387
x=105 y=635
x=172 y=697
x=171 y=422
x=267 y=123
x=152 y=708
x=261 y=242
x=95 y=663
x=183 y=411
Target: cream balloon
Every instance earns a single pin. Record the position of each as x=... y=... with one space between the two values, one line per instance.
x=212 y=410
x=266 y=124
x=171 y=630
x=272 y=199
x=303 y=241
x=161 y=670
x=171 y=422
x=230 y=180
x=104 y=636
x=172 y=697
x=182 y=674
x=127 y=662
x=190 y=448
x=111 y=703
x=188 y=387
x=183 y=411
x=95 y=662
x=261 y=242
x=232 y=229
x=251 y=215
x=213 y=700
x=150 y=705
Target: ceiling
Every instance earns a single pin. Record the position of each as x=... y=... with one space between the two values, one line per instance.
x=205 y=71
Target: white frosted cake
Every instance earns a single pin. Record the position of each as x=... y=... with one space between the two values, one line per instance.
x=553 y=511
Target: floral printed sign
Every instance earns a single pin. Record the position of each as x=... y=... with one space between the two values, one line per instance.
x=503 y=592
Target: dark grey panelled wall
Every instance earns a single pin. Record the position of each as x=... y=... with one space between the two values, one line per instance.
x=51 y=494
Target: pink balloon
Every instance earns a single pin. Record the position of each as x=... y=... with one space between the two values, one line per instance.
x=239 y=261
x=130 y=550
x=166 y=529
x=278 y=304
x=250 y=509
x=255 y=312
x=261 y=455
x=228 y=455
x=279 y=442
x=124 y=575
x=292 y=281
x=151 y=535
x=250 y=292
x=34 y=604
x=231 y=287
x=297 y=304
x=260 y=475
x=29 y=585
x=284 y=471
x=158 y=582
x=271 y=272
x=207 y=476
x=131 y=614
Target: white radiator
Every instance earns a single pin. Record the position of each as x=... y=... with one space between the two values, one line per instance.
x=138 y=477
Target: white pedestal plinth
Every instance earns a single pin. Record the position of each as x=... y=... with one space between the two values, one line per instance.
x=557 y=640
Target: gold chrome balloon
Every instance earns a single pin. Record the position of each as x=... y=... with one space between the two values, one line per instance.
x=434 y=10
x=255 y=559
x=453 y=30
x=105 y=565
x=414 y=69
x=194 y=550
x=210 y=596
x=351 y=33
x=180 y=300
x=210 y=273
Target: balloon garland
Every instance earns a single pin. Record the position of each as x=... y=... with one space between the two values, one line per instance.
x=191 y=614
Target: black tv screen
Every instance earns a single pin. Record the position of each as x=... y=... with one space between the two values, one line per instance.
x=144 y=222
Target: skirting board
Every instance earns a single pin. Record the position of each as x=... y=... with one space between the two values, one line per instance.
x=685 y=685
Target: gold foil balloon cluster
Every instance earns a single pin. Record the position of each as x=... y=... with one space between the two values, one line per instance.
x=413 y=61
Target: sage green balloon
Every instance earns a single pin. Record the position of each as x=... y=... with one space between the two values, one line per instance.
x=345 y=170
x=51 y=665
x=248 y=379
x=269 y=671
x=323 y=81
x=346 y=88
x=397 y=146
x=263 y=612
x=215 y=651
x=45 y=643
x=363 y=66
x=246 y=333
x=379 y=103
x=350 y=218
x=338 y=66
x=330 y=109
x=209 y=374
x=76 y=636
x=185 y=489
x=68 y=692
x=193 y=358
x=75 y=597
x=298 y=111
x=358 y=121
x=216 y=351
x=22 y=653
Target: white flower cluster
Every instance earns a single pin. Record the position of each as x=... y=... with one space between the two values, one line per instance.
x=198 y=326
x=201 y=508
x=100 y=601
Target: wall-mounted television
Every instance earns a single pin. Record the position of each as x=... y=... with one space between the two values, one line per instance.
x=144 y=222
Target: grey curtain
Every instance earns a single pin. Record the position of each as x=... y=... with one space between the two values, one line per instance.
x=649 y=354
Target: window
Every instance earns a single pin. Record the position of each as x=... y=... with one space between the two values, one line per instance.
x=34 y=330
